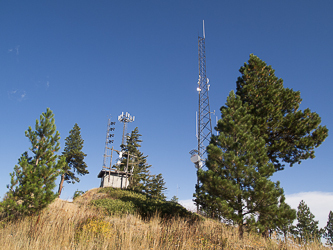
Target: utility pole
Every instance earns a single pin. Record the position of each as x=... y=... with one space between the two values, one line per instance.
x=203 y=119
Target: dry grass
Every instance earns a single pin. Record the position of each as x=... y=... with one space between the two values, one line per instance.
x=65 y=225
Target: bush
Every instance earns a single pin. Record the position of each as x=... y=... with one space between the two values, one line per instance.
x=125 y=201
x=93 y=228
x=115 y=206
x=77 y=194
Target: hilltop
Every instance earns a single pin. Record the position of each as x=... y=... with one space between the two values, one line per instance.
x=107 y=218
x=113 y=201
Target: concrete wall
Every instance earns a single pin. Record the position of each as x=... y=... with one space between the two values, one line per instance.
x=114 y=181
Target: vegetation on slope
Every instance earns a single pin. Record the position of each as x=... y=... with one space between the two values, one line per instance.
x=77 y=225
x=118 y=201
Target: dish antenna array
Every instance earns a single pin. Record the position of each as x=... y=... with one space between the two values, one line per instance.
x=108 y=142
x=203 y=119
x=125 y=119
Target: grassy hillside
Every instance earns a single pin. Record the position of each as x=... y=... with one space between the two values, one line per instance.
x=118 y=219
x=117 y=202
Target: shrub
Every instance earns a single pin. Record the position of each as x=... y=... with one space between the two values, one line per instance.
x=77 y=194
x=93 y=228
x=115 y=206
x=125 y=201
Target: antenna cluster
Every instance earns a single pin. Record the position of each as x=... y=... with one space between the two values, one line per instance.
x=108 y=152
x=125 y=119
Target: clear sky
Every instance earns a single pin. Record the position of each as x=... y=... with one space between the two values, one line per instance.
x=87 y=60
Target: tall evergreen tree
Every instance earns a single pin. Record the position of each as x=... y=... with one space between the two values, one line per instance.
x=328 y=235
x=136 y=161
x=291 y=135
x=141 y=180
x=307 y=228
x=74 y=158
x=278 y=218
x=209 y=205
x=236 y=179
x=156 y=186
x=34 y=177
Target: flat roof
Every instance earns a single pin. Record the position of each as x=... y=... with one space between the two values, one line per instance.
x=113 y=171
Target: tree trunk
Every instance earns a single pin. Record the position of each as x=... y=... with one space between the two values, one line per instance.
x=240 y=217
x=285 y=240
x=61 y=184
x=240 y=230
x=265 y=233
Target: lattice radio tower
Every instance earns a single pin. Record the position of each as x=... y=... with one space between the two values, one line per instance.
x=108 y=142
x=204 y=123
x=203 y=119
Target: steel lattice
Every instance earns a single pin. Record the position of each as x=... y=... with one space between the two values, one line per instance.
x=204 y=115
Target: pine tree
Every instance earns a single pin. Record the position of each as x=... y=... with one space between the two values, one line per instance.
x=278 y=218
x=174 y=199
x=328 y=235
x=209 y=205
x=307 y=228
x=236 y=180
x=141 y=180
x=156 y=186
x=291 y=135
x=74 y=158
x=34 y=177
x=136 y=161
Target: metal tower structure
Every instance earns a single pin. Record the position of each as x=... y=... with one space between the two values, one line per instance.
x=108 y=152
x=125 y=119
x=109 y=140
x=204 y=123
x=203 y=119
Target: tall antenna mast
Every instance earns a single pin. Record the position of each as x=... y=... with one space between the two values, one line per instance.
x=203 y=29
x=125 y=119
x=203 y=119
x=204 y=115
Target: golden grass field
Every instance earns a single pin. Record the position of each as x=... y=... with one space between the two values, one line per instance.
x=67 y=225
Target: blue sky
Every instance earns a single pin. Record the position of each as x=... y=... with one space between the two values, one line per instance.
x=88 y=59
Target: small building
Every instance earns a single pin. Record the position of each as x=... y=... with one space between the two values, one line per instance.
x=114 y=178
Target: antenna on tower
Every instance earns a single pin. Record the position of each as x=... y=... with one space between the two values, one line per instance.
x=203 y=119
x=203 y=29
x=125 y=119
